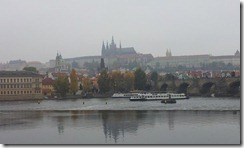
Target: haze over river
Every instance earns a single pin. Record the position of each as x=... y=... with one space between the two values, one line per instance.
x=119 y=121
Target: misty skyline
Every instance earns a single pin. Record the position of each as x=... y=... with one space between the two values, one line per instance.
x=34 y=30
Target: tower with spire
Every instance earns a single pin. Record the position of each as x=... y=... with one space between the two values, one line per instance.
x=103 y=49
x=112 y=49
x=58 y=62
x=113 y=45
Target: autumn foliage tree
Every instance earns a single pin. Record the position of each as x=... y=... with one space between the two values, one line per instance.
x=61 y=85
x=73 y=82
x=129 y=80
x=86 y=84
x=117 y=81
x=122 y=82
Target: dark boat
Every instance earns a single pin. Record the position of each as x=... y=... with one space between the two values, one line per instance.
x=168 y=101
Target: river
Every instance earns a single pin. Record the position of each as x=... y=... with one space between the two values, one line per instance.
x=119 y=121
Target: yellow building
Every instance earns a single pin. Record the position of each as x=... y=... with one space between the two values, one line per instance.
x=47 y=86
x=20 y=85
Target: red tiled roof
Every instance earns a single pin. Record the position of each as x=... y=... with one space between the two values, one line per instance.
x=47 y=81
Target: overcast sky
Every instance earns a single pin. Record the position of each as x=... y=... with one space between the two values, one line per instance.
x=34 y=30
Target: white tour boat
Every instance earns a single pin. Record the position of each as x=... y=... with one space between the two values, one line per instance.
x=158 y=96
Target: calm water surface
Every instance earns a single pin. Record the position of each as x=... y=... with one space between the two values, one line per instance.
x=194 y=103
x=119 y=121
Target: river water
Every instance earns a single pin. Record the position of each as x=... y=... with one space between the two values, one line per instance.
x=119 y=121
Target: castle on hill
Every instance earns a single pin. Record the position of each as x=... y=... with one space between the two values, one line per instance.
x=112 y=49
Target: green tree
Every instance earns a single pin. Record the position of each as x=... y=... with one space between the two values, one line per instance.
x=140 y=79
x=154 y=78
x=32 y=69
x=103 y=82
x=73 y=82
x=61 y=85
x=87 y=86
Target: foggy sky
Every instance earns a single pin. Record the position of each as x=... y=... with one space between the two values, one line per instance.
x=34 y=30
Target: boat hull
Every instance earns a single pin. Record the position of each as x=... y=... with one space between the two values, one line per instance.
x=166 y=101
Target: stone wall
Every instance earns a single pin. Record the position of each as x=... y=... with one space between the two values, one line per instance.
x=21 y=97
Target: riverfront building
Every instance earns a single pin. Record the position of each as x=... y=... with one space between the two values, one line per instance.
x=20 y=85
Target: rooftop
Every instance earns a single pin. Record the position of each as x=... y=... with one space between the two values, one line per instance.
x=19 y=74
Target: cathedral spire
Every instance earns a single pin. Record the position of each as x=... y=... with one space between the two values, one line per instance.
x=103 y=46
x=103 y=49
x=112 y=39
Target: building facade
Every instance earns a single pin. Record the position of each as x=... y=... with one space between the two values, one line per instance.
x=228 y=59
x=20 y=85
x=47 y=86
x=195 y=61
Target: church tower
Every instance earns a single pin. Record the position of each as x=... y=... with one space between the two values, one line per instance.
x=103 y=49
x=58 y=63
x=113 y=45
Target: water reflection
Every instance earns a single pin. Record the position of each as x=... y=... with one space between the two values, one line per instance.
x=117 y=123
x=171 y=116
x=60 y=125
x=117 y=126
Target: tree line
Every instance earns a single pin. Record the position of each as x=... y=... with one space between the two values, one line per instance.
x=107 y=82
